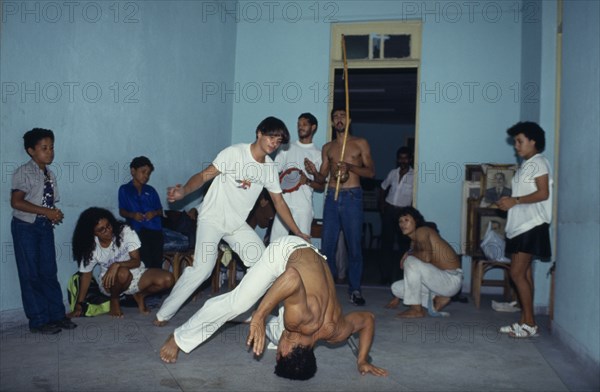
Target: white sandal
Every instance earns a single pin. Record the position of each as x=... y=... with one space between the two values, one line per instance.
x=509 y=328
x=524 y=331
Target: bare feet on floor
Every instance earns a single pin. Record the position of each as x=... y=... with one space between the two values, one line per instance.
x=169 y=350
x=413 y=312
x=139 y=299
x=115 y=308
x=159 y=323
x=393 y=303
x=440 y=302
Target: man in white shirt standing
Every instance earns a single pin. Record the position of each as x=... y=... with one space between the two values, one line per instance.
x=302 y=155
x=238 y=173
x=399 y=188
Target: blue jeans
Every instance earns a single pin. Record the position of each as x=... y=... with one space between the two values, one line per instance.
x=36 y=264
x=346 y=214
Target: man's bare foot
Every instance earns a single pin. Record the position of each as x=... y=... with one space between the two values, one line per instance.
x=393 y=303
x=159 y=323
x=169 y=350
x=115 y=308
x=139 y=299
x=440 y=302
x=413 y=312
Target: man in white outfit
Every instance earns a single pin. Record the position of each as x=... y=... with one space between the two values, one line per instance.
x=302 y=155
x=240 y=173
x=218 y=310
x=432 y=273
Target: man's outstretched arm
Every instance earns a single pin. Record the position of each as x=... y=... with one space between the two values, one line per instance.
x=364 y=324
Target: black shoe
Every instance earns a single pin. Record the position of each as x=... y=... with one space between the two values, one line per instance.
x=46 y=329
x=65 y=323
x=357 y=299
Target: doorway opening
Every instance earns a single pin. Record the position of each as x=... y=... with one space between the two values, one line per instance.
x=383 y=107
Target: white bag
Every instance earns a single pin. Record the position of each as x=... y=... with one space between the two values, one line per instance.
x=493 y=245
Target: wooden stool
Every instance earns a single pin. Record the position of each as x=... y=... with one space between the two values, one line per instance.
x=478 y=271
x=178 y=261
x=168 y=258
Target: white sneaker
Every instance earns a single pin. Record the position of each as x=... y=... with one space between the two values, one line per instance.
x=505 y=306
x=524 y=331
x=509 y=328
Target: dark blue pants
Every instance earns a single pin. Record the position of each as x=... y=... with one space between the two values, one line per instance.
x=36 y=263
x=346 y=214
x=389 y=264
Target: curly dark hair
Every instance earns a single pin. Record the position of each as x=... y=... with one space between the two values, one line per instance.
x=312 y=120
x=532 y=131
x=33 y=137
x=416 y=215
x=300 y=364
x=84 y=237
x=140 y=161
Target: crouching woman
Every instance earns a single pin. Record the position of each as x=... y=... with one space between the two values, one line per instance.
x=99 y=239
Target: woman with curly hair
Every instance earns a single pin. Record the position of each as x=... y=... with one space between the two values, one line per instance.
x=99 y=239
x=528 y=223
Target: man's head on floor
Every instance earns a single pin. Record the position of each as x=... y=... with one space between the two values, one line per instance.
x=299 y=364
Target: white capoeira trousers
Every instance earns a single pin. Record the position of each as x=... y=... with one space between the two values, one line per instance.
x=303 y=217
x=244 y=241
x=218 y=310
x=422 y=278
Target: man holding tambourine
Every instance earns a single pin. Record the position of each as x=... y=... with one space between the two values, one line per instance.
x=297 y=165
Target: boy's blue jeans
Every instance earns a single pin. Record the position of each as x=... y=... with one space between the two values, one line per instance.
x=346 y=214
x=36 y=264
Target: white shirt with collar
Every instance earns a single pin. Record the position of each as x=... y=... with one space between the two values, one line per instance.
x=401 y=191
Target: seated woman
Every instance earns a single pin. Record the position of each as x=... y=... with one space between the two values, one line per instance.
x=100 y=239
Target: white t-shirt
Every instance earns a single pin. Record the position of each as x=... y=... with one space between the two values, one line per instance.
x=234 y=191
x=105 y=257
x=524 y=217
x=401 y=191
x=294 y=156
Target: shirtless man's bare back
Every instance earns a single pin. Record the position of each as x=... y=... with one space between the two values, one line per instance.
x=301 y=280
x=312 y=313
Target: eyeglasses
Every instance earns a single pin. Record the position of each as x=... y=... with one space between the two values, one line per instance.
x=103 y=229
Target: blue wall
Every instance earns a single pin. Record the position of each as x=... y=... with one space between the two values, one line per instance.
x=462 y=52
x=537 y=96
x=471 y=87
x=577 y=311
x=192 y=77
x=112 y=85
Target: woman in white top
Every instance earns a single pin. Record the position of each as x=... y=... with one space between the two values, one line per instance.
x=529 y=215
x=99 y=239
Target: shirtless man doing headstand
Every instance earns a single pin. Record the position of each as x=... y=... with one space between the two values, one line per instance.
x=432 y=273
x=300 y=280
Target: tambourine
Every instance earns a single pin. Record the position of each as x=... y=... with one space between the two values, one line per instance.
x=290 y=180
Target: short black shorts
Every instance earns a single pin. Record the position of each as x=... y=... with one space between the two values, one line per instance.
x=535 y=242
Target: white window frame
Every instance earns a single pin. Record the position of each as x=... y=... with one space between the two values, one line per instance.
x=391 y=27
